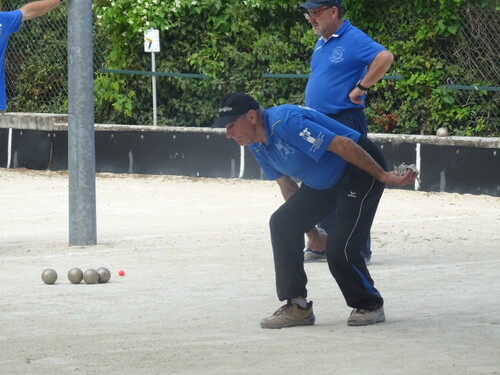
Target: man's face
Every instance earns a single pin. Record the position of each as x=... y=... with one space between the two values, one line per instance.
x=320 y=20
x=241 y=130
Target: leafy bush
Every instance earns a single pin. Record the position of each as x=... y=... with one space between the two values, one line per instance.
x=36 y=56
x=231 y=42
x=438 y=46
x=420 y=33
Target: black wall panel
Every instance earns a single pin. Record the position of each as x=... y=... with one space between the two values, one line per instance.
x=30 y=149
x=252 y=168
x=455 y=169
x=4 y=142
x=461 y=169
x=176 y=153
x=59 y=160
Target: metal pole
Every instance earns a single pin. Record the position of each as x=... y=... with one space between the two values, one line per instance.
x=153 y=68
x=81 y=142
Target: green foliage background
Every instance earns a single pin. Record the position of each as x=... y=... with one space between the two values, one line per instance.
x=234 y=42
x=35 y=60
x=422 y=35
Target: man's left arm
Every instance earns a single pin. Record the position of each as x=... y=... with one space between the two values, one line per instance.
x=376 y=70
x=38 y=8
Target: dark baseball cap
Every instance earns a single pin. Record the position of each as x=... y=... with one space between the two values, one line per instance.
x=311 y=4
x=233 y=106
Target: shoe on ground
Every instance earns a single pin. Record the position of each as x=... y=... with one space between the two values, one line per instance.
x=311 y=255
x=362 y=317
x=290 y=315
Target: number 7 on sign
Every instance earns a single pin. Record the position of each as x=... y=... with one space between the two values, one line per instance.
x=151 y=40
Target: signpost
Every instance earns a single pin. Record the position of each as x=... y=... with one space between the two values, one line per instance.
x=152 y=44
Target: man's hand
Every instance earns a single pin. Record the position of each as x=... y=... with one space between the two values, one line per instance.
x=355 y=96
x=391 y=178
x=402 y=171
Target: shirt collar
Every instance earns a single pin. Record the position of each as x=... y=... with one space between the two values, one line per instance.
x=339 y=31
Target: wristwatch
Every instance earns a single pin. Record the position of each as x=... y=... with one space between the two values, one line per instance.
x=360 y=86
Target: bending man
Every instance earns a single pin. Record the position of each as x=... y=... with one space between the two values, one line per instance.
x=340 y=170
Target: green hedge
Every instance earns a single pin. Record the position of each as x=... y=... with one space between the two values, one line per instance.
x=234 y=42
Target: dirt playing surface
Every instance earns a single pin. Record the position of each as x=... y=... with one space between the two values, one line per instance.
x=200 y=277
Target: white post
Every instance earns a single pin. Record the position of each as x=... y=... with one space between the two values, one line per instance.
x=418 y=164
x=152 y=44
x=153 y=69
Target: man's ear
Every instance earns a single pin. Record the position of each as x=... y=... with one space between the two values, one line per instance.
x=335 y=12
x=252 y=116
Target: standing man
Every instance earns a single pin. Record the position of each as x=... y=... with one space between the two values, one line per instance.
x=344 y=65
x=10 y=22
x=341 y=170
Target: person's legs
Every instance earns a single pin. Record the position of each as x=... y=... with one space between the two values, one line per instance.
x=288 y=225
x=358 y=196
x=311 y=255
x=355 y=119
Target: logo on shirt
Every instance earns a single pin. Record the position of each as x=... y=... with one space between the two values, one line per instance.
x=284 y=149
x=306 y=134
x=337 y=55
x=315 y=142
x=352 y=194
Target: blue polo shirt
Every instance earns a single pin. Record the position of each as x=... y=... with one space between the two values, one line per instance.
x=10 y=22
x=297 y=138
x=337 y=64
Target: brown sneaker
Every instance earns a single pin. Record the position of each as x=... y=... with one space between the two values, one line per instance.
x=290 y=315
x=362 y=317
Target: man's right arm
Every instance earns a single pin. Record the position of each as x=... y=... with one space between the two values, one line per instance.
x=351 y=152
x=376 y=70
x=38 y=8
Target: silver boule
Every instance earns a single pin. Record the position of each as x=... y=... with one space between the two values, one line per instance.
x=91 y=276
x=49 y=276
x=75 y=275
x=104 y=275
x=442 y=132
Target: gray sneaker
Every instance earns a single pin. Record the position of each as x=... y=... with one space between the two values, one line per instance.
x=314 y=256
x=362 y=317
x=290 y=315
